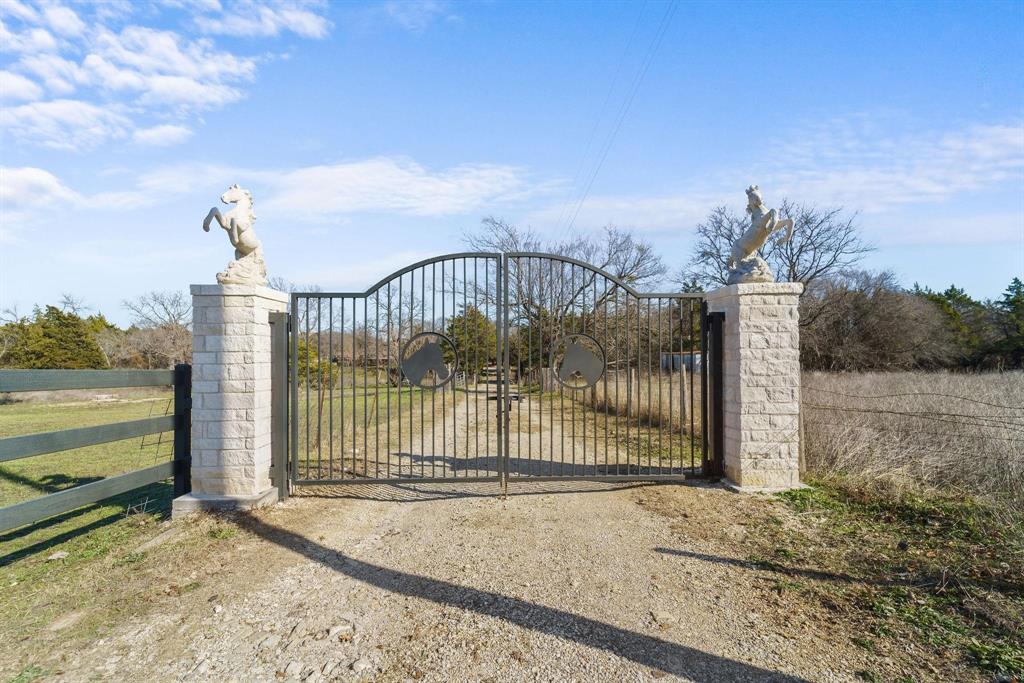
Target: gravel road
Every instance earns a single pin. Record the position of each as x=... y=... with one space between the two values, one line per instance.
x=558 y=582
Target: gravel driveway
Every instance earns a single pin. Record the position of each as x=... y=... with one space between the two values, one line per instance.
x=560 y=581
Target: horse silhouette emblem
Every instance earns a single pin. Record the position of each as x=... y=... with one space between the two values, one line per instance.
x=428 y=358
x=579 y=360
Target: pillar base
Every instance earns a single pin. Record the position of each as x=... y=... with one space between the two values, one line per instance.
x=204 y=502
x=730 y=485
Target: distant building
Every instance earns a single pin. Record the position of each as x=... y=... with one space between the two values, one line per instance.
x=673 y=361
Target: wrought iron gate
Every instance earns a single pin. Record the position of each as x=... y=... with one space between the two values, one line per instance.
x=483 y=366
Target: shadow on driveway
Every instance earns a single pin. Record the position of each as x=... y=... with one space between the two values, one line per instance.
x=648 y=651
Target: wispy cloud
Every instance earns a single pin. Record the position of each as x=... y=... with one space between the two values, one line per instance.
x=82 y=88
x=308 y=194
x=853 y=163
x=418 y=15
x=161 y=136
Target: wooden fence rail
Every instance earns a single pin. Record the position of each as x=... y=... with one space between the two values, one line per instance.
x=15 y=447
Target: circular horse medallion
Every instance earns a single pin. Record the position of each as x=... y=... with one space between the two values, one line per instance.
x=578 y=361
x=422 y=360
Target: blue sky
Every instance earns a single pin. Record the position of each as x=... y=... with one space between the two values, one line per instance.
x=375 y=134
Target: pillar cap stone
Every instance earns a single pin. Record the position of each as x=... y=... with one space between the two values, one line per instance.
x=239 y=290
x=796 y=288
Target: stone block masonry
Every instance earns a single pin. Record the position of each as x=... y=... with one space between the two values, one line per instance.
x=761 y=368
x=231 y=385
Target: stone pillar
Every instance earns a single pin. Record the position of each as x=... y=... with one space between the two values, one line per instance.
x=231 y=383
x=761 y=365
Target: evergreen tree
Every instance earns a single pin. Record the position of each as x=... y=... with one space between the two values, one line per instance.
x=1010 y=317
x=54 y=339
x=475 y=337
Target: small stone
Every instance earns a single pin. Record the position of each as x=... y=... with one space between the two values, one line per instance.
x=360 y=665
x=342 y=631
x=663 y=618
x=293 y=669
x=270 y=642
x=217 y=609
x=59 y=555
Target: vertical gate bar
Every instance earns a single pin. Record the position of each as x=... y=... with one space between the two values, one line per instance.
x=650 y=390
x=376 y=385
x=423 y=327
x=561 y=389
x=583 y=415
x=366 y=393
x=639 y=384
x=412 y=397
x=671 y=371
x=525 y=311
x=455 y=393
x=552 y=288
x=519 y=358
x=704 y=385
x=306 y=379
x=387 y=384
x=607 y=368
x=499 y=271
x=433 y=394
x=576 y=325
x=629 y=389
x=319 y=387
x=593 y=389
x=448 y=387
x=660 y=358
x=401 y=373
x=293 y=342
x=330 y=388
x=465 y=332
x=355 y=430
x=503 y=376
x=476 y=364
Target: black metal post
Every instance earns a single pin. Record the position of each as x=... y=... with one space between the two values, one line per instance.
x=705 y=388
x=279 y=401
x=182 y=429
x=716 y=376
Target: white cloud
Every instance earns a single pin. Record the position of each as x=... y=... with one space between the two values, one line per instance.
x=393 y=185
x=64 y=124
x=60 y=76
x=31 y=40
x=417 y=15
x=161 y=136
x=27 y=187
x=16 y=87
x=850 y=162
x=247 y=18
x=113 y=76
x=63 y=20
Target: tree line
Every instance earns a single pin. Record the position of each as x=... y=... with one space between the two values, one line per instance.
x=851 y=319
x=67 y=336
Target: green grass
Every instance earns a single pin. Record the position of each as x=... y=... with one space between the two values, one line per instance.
x=947 y=572
x=38 y=475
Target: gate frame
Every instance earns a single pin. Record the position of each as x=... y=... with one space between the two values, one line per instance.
x=285 y=381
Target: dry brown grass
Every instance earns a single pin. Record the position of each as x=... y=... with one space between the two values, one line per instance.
x=657 y=400
x=925 y=431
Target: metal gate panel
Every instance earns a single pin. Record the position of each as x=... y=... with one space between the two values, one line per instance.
x=482 y=366
x=601 y=381
x=378 y=390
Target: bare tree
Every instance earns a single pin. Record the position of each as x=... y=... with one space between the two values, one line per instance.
x=825 y=241
x=69 y=303
x=866 y=321
x=155 y=309
x=9 y=319
x=163 y=322
x=616 y=250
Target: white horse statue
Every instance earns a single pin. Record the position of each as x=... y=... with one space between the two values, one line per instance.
x=248 y=267
x=744 y=264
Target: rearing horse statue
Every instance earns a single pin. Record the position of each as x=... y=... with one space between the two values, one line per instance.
x=248 y=267
x=744 y=264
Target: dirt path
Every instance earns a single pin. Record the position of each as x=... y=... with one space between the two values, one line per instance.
x=448 y=583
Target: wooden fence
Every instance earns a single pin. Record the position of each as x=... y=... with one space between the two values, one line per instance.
x=15 y=447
